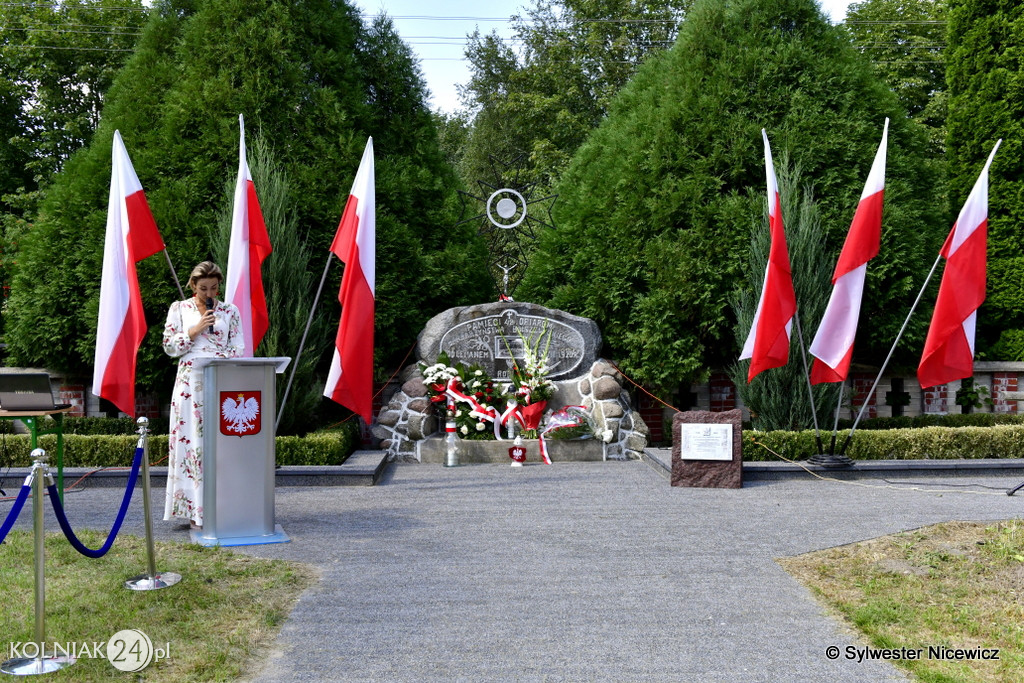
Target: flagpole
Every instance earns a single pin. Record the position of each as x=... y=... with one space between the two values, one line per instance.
x=835 y=425
x=302 y=343
x=807 y=376
x=871 y=393
x=174 y=274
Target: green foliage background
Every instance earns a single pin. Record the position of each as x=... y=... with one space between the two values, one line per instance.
x=779 y=398
x=905 y=41
x=315 y=82
x=543 y=94
x=654 y=211
x=52 y=84
x=986 y=81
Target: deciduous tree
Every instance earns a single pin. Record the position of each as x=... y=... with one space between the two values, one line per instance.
x=544 y=91
x=905 y=40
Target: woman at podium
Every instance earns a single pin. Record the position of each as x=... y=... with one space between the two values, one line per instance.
x=198 y=327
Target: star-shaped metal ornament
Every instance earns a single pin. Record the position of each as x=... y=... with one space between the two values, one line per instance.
x=509 y=216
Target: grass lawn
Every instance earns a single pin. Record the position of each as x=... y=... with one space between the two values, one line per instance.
x=958 y=585
x=219 y=621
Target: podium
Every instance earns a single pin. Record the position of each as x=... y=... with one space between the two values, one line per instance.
x=239 y=410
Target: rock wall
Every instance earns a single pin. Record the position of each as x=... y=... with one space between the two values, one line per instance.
x=409 y=416
x=608 y=401
x=490 y=335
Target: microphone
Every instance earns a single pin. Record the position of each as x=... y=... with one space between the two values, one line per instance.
x=209 y=307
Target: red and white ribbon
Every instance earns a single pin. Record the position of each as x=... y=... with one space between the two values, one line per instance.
x=543 y=449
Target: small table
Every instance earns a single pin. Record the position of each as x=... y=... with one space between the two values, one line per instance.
x=31 y=418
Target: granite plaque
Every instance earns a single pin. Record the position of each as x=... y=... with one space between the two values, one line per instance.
x=494 y=336
x=702 y=453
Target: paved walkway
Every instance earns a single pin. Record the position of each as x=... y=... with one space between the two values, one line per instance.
x=572 y=572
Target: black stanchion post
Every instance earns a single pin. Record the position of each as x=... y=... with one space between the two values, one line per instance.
x=40 y=664
x=151 y=580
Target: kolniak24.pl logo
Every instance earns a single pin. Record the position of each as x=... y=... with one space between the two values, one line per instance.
x=127 y=650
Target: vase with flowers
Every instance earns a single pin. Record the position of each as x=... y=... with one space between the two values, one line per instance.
x=530 y=384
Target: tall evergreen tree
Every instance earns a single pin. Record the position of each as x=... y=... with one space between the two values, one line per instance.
x=316 y=83
x=653 y=210
x=290 y=280
x=985 y=78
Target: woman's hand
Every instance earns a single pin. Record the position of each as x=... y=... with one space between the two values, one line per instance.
x=204 y=323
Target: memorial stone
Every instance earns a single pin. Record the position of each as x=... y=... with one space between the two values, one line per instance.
x=707 y=449
x=491 y=335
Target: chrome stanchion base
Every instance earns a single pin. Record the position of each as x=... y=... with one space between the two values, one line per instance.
x=145 y=582
x=25 y=666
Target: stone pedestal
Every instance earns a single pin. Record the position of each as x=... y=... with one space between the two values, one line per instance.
x=433 y=450
x=701 y=453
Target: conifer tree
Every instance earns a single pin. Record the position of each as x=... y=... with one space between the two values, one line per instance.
x=985 y=77
x=778 y=398
x=315 y=82
x=654 y=208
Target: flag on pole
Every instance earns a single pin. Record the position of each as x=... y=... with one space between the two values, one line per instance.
x=350 y=381
x=131 y=236
x=949 y=346
x=833 y=344
x=767 y=344
x=250 y=246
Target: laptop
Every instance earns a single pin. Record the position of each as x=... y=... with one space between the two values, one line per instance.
x=28 y=391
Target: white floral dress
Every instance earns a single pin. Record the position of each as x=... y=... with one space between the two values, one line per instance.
x=185 y=466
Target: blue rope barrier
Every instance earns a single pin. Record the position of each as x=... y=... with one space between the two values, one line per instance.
x=12 y=516
x=58 y=511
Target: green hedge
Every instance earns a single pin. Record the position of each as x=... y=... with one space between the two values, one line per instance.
x=322 y=448
x=95 y=426
x=99 y=425
x=926 y=443
x=951 y=420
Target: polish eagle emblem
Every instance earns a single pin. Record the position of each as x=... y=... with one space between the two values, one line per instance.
x=240 y=413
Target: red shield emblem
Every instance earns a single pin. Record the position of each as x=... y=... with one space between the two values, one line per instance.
x=240 y=413
x=517 y=453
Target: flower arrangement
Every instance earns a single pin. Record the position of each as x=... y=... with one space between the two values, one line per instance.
x=472 y=381
x=571 y=422
x=530 y=383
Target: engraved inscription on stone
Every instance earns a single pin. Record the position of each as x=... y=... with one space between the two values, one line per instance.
x=480 y=341
x=705 y=442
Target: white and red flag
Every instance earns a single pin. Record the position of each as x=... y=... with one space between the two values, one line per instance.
x=949 y=346
x=350 y=381
x=767 y=344
x=832 y=346
x=250 y=246
x=131 y=236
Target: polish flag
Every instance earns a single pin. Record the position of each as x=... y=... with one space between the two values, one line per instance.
x=767 y=345
x=131 y=236
x=833 y=344
x=949 y=346
x=250 y=246
x=350 y=381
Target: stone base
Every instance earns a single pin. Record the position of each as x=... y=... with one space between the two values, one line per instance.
x=434 y=451
x=708 y=473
